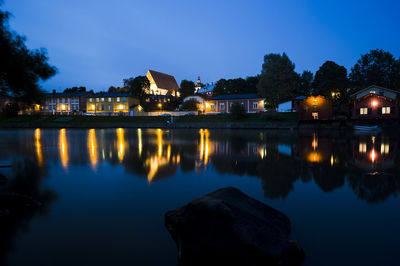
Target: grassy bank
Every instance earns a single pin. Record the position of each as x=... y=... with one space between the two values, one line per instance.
x=223 y=118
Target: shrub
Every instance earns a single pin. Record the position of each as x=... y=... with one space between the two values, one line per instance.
x=190 y=105
x=11 y=110
x=237 y=111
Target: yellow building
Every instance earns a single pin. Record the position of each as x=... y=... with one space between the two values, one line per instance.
x=162 y=84
x=112 y=103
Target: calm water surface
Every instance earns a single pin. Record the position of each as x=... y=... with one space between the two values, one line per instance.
x=104 y=192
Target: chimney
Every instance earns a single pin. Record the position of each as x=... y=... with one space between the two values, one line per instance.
x=54 y=91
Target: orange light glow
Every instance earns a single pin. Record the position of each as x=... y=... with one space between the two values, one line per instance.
x=38 y=147
x=120 y=144
x=63 y=147
x=92 y=148
x=374 y=103
x=159 y=142
x=373 y=156
x=314 y=157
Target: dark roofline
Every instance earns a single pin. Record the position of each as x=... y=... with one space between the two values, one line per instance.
x=111 y=94
x=237 y=96
x=65 y=94
x=373 y=86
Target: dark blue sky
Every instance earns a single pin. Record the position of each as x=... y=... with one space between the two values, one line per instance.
x=97 y=43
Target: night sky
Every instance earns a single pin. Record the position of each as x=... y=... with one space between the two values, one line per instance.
x=98 y=43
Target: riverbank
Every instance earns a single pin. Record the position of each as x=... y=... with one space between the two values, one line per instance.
x=253 y=121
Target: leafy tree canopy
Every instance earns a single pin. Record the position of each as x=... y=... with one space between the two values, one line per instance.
x=21 y=69
x=190 y=105
x=330 y=78
x=306 y=81
x=236 y=86
x=137 y=86
x=376 y=68
x=116 y=89
x=186 y=88
x=75 y=89
x=278 y=81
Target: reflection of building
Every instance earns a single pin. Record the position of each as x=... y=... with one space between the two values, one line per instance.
x=65 y=103
x=314 y=149
x=252 y=103
x=315 y=108
x=112 y=103
x=374 y=152
x=162 y=84
x=375 y=102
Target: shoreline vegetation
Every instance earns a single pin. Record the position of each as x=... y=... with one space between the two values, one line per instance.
x=286 y=121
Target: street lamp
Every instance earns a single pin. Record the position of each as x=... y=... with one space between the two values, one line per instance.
x=160 y=106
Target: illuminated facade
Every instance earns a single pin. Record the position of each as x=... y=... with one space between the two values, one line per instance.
x=375 y=103
x=113 y=103
x=162 y=84
x=65 y=103
x=315 y=108
x=223 y=103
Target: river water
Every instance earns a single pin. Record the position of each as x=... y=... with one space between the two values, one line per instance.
x=104 y=192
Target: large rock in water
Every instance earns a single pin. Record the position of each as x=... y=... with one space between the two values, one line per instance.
x=227 y=227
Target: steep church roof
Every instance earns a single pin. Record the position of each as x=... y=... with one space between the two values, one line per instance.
x=164 y=81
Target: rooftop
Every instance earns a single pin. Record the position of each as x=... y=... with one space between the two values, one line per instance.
x=237 y=97
x=164 y=81
x=65 y=94
x=111 y=94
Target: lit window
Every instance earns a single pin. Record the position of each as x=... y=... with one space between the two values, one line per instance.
x=255 y=105
x=212 y=107
x=362 y=148
x=97 y=99
x=363 y=111
x=384 y=148
x=109 y=107
x=315 y=115
x=221 y=106
x=109 y=100
x=90 y=100
x=118 y=99
x=385 y=110
x=102 y=100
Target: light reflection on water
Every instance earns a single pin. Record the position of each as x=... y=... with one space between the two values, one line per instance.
x=280 y=164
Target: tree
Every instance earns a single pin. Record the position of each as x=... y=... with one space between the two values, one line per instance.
x=137 y=86
x=330 y=78
x=376 y=68
x=117 y=89
x=187 y=88
x=220 y=87
x=278 y=81
x=21 y=69
x=75 y=89
x=190 y=105
x=306 y=81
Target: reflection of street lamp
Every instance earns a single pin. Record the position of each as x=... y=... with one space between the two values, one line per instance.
x=160 y=106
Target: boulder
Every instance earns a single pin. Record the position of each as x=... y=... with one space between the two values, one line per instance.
x=227 y=227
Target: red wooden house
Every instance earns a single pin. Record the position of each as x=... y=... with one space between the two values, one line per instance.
x=375 y=102
x=315 y=108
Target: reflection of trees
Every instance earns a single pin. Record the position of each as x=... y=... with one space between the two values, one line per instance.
x=21 y=199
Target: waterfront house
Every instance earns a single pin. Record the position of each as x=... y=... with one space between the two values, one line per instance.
x=252 y=103
x=113 y=103
x=289 y=106
x=315 y=108
x=375 y=102
x=162 y=84
x=65 y=103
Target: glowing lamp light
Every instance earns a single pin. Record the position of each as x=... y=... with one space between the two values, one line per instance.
x=374 y=103
x=207 y=105
x=62 y=107
x=160 y=105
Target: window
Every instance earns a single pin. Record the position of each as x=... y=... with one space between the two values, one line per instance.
x=221 y=106
x=315 y=115
x=118 y=99
x=242 y=103
x=90 y=100
x=363 y=111
x=109 y=99
x=384 y=148
x=124 y=99
x=109 y=107
x=255 y=105
x=385 y=110
x=230 y=105
x=97 y=99
x=212 y=107
x=102 y=100
x=362 y=148
x=102 y=107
